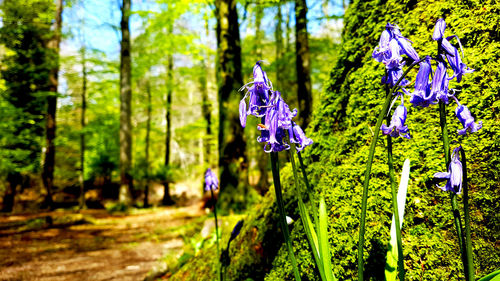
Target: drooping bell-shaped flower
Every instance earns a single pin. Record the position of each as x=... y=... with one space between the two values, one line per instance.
x=459 y=68
x=278 y=119
x=397 y=128
x=423 y=96
x=243 y=113
x=439 y=30
x=257 y=93
x=465 y=117
x=382 y=51
x=392 y=45
x=211 y=181
x=298 y=137
x=453 y=175
x=393 y=76
x=440 y=83
x=452 y=54
x=404 y=43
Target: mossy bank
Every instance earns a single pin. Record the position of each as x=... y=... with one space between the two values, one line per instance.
x=342 y=130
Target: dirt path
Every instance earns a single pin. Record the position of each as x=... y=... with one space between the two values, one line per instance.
x=111 y=247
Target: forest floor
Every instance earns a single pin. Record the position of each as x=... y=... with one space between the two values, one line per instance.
x=93 y=244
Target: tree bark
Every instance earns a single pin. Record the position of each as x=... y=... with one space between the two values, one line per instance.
x=278 y=36
x=167 y=199
x=148 y=132
x=126 y=179
x=206 y=105
x=50 y=121
x=13 y=180
x=82 y=133
x=262 y=157
x=232 y=146
x=303 y=63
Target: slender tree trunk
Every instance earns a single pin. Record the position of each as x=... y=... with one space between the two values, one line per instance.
x=13 y=180
x=259 y=13
x=232 y=145
x=148 y=131
x=278 y=35
x=288 y=31
x=82 y=133
x=50 y=125
x=262 y=157
x=303 y=63
x=167 y=199
x=206 y=106
x=126 y=179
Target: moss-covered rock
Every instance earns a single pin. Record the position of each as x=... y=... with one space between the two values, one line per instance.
x=342 y=131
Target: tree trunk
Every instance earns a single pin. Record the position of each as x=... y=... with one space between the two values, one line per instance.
x=126 y=180
x=303 y=63
x=148 y=132
x=259 y=13
x=50 y=125
x=167 y=199
x=206 y=105
x=82 y=133
x=262 y=157
x=278 y=35
x=232 y=146
x=13 y=180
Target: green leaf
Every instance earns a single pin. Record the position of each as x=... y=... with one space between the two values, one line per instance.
x=323 y=241
x=311 y=235
x=494 y=276
x=391 y=263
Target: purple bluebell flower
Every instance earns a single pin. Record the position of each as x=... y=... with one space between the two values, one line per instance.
x=439 y=30
x=211 y=181
x=393 y=76
x=392 y=45
x=257 y=93
x=459 y=68
x=298 y=137
x=397 y=128
x=236 y=230
x=440 y=83
x=423 y=96
x=467 y=120
x=382 y=52
x=454 y=174
x=452 y=54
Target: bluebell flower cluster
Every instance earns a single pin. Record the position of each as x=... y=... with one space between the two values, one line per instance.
x=211 y=181
x=392 y=46
x=431 y=87
x=277 y=126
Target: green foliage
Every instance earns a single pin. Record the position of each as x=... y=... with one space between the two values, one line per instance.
x=24 y=72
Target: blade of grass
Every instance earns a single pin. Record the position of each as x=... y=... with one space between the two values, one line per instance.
x=304 y=216
x=323 y=241
x=494 y=276
x=392 y=251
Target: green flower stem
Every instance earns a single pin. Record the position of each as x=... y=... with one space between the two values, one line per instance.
x=453 y=195
x=401 y=269
x=219 y=273
x=364 y=199
x=468 y=241
x=308 y=186
x=304 y=174
x=281 y=210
